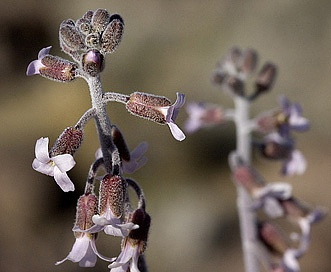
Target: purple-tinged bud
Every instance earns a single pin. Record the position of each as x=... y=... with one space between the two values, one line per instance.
x=70 y=36
x=235 y=85
x=272 y=238
x=68 y=142
x=112 y=195
x=120 y=143
x=295 y=209
x=112 y=35
x=248 y=178
x=148 y=106
x=139 y=236
x=275 y=150
x=100 y=20
x=266 y=78
x=93 y=62
x=87 y=206
x=249 y=61
x=92 y=40
x=57 y=69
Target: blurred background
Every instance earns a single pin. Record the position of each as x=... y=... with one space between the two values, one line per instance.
x=168 y=46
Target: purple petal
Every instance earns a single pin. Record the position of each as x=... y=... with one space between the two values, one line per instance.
x=63 y=180
x=43 y=52
x=33 y=68
x=296 y=165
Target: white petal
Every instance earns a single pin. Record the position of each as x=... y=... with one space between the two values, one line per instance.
x=43 y=168
x=64 y=162
x=176 y=132
x=63 y=180
x=78 y=250
x=41 y=150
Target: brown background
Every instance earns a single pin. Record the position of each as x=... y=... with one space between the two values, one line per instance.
x=168 y=46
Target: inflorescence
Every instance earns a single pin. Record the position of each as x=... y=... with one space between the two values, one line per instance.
x=87 y=41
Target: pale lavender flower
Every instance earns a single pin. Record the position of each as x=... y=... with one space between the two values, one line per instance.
x=203 y=115
x=56 y=166
x=127 y=258
x=34 y=66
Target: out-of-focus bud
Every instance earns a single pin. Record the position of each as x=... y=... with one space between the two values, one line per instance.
x=272 y=238
x=249 y=62
x=68 y=142
x=120 y=143
x=93 y=62
x=88 y=15
x=70 y=36
x=113 y=33
x=276 y=150
x=235 y=85
x=112 y=195
x=100 y=20
x=265 y=79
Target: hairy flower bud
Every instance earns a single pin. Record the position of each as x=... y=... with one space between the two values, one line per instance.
x=93 y=62
x=249 y=61
x=87 y=206
x=140 y=217
x=70 y=36
x=148 y=106
x=68 y=142
x=100 y=20
x=112 y=195
x=120 y=143
x=113 y=33
x=84 y=26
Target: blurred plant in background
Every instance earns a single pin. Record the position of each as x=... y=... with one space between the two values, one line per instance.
x=263 y=206
x=87 y=41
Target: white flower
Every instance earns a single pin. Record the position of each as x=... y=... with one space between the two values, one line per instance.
x=56 y=166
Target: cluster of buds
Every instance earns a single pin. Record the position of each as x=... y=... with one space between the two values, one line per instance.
x=87 y=41
x=276 y=142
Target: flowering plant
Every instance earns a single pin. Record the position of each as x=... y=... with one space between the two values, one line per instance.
x=87 y=41
x=260 y=203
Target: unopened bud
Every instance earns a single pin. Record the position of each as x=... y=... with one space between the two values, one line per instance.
x=57 y=69
x=140 y=235
x=68 y=142
x=84 y=26
x=272 y=238
x=87 y=206
x=113 y=33
x=235 y=85
x=148 y=106
x=120 y=143
x=276 y=151
x=266 y=78
x=70 y=36
x=93 y=62
x=112 y=195
x=100 y=20
x=249 y=61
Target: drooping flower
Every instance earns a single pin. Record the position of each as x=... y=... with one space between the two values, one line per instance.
x=55 y=166
x=157 y=109
x=134 y=245
x=84 y=250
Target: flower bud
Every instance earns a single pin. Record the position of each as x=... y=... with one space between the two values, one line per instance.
x=57 y=69
x=140 y=235
x=112 y=195
x=120 y=143
x=87 y=206
x=100 y=20
x=272 y=238
x=68 y=142
x=70 y=36
x=84 y=26
x=249 y=62
x=93 y=62
x=266 y=78
x=113 y=33
x=148 y=106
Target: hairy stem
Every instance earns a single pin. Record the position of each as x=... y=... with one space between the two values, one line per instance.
x=247 y=215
